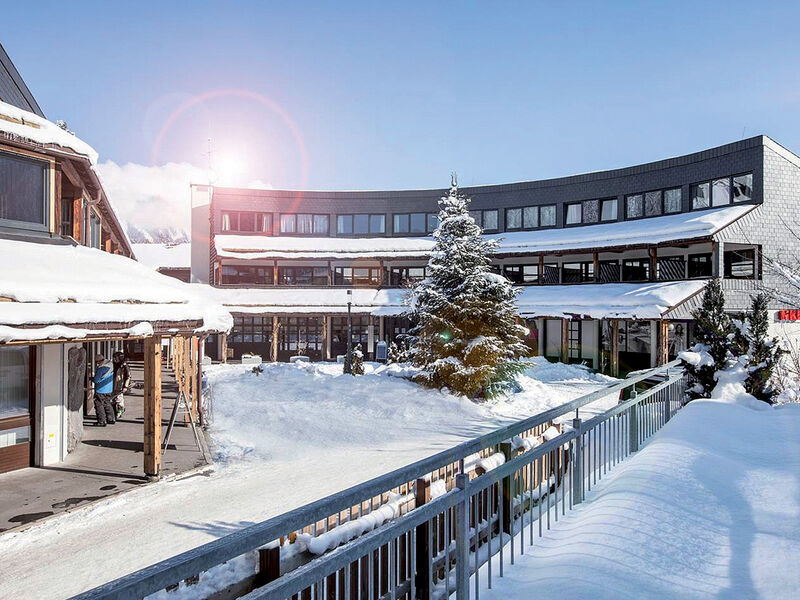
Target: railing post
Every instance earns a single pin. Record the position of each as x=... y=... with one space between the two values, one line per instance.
x=423 y=556
x=577 y=464
x=633 y=422
x=269 y=565
x=507 y=490
x=668 y=400
x=462 y=539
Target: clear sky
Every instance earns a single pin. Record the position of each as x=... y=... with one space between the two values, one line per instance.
x=396 y=95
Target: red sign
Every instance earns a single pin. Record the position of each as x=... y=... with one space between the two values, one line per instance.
x=789 y=315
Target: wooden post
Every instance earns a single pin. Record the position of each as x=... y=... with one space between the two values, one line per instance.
x=507 y=491
x=223 y=347
x=77 y=220
x=324 y=354
x=422 y=495
x=56 y=225
x=152 y=407
x=541 y=269
x=269 y=565
x=614 y=348
x=653 y=263
x=275 y=272
x=663 y=343
x=564 y=340
x=276 y=324
x=596 y=266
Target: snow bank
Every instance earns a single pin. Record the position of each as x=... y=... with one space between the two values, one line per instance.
x=709 y=508
x=157 y=255
x=730 y=388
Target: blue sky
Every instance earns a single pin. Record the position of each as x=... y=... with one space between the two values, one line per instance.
x=397 y=95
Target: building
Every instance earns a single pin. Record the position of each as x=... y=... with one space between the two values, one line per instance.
x=69 y=288
x=611 y=263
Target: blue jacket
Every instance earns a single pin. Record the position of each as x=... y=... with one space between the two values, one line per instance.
x=104 y=378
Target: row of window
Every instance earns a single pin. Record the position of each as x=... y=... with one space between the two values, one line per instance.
x=738 y=264
x=717 y=192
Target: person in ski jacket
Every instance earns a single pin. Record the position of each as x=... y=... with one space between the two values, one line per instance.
x=104 y=391
x=122 y=382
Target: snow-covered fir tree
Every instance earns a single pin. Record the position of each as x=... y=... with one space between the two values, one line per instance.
x=465 y=334
x=714 y=332
x=764 y=352
x=357 y=367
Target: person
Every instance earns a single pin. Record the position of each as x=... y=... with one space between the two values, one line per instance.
x=122 y=382
x=103 y=391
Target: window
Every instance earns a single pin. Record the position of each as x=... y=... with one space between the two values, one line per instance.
x=356 y=276
x=672 y=200
x=634 y=206
x=288 y=223
x=652 y=203
x=740 y=264
x=490 y=220
x=608 y=211
x=15 y=388
x=245 y=274
x=246 y=221
x=701 y=195
x=399 y=276
x=530 y=217
x=419 y=223
x=743 y=188
x=721 y=192
x=67 y=218
x=304 y=224
x=574 y=213
x=574 y=340
x=360 y=224
x=23 y=191
x=591 y=210
x=670 y=268
x=522 y=273
x=251 y=330
x=550 y=274
x=636 y=269
x=94 y=230
x=415 y=222
x=230 y=221
x=400 y=224
x=513 y=218
x=700 y=265
x=580 y=272
x=547 y=215
x=609 y=271
x=303 y=275
x=360 y=333
x=433 y=222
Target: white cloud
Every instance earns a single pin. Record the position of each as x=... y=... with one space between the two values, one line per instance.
x=154 y=198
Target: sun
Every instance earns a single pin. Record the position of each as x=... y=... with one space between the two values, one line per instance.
x=230 y=170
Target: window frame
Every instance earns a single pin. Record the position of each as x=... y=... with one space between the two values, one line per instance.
x=45 y=166
x=623 y=265
x=571 y=205
x=612 y=202
x=697 y=255
x=352 y=219
x=728 y=265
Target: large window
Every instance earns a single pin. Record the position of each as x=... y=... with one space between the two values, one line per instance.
x=399 y=276
x=574 y=213
x=722 y=191
x=652 y=203
x=699 y=265
x=580 y=272
x=15 y=383
x=636 y=269
x=246 y=221
x=23 y=192
x=608 y=210
x=251 y=330
x=670 y=268
x=547 y=215
x=701 y=195
x=609 y=271
x=634 y=206
x=740 y=264
x=486 y=219
x=528 y=217
x=587 y=211
x=356 y=276
x=303 y=275
x=246 y=275
x=522 y=273
x=360 y=224
x=415 y=222
x=743 y=188
x=305 y=224
x=672 y=200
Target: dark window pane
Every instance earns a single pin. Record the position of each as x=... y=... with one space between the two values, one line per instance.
x=591 y=210
x=609 y=212
x=672 y=200
x=547 y=215
x=609 y=271
x=701 y=195
x=571 y=273
x=344 y=224
x=377 y=223
x=743 y=188
x=740 y=264
x=360 y=224
x=634 y=206
x=247 y=221
x=700 y=265
x=433 y=222
x=401 y=223
x=652 y=204
x=490 y=220
x=514 y=218
x=635 y=270
x=530 y=217
x=22 y=190
x=419 y=222
x=573 y=214
x=670 y=268
x=550 y=274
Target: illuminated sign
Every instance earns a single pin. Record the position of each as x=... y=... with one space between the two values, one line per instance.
x=789 y=315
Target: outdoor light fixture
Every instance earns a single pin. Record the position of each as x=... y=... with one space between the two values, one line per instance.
x=348 y=359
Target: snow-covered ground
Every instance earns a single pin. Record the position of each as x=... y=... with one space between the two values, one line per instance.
x=285 y=437
x=709 y=508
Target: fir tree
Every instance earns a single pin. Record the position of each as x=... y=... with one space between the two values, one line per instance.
x=465 y=333
x=358 y=360
x=392 y=354
x=764 y=351
x=715 y=332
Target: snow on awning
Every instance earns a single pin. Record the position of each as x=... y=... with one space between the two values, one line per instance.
x=31 y=127
x=667 y=228
x=51 y=285
x=606 y=300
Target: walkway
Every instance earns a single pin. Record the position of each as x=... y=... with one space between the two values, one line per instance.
x=108 y=461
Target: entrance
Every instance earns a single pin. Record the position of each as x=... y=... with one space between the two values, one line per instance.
x=17 y=366
x=300 y=336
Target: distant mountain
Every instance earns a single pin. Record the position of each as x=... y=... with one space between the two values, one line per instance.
x=159 y=235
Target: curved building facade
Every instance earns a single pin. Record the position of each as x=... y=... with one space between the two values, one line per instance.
x=611 y=263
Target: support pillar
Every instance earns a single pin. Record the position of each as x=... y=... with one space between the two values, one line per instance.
x=596 y=266
x=152 y=407
x=614 y=348
x=223 y=347
x=663 y=343
x=273 y=356
x=653 y=263
x=564 y=341
x=326 y=343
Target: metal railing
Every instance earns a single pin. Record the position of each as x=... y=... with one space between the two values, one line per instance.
x=433 y=544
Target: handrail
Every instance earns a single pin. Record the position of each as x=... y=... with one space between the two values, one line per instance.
x=196 y=560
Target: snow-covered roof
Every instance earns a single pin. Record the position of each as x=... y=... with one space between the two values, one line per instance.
x=46 y=284
x=29 y=126
x=682 y=226
x=606 y=300
x=305 y=300
x=157 y=256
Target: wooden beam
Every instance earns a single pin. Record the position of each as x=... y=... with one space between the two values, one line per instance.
x=614 y=348
x=56 y=226
x=564 y=340
x=77 y=219
x=152 y=407
x=274 y=350
x=596 y=266
x=223 y=347
x=653 y=262
x=662 y=357
x=541 y=269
